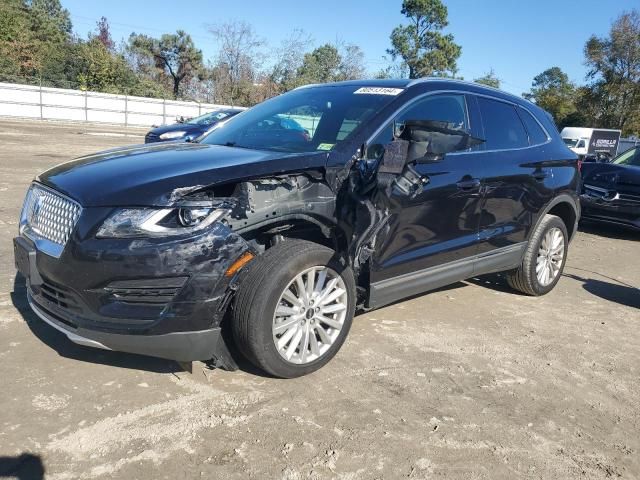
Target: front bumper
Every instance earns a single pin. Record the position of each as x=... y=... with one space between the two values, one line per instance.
x=159 y=297
x=179 y=346
x=620 y=211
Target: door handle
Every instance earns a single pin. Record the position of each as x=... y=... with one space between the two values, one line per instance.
x=540 y=175
x=468 y=184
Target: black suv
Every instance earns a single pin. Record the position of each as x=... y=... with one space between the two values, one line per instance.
x=264 y=239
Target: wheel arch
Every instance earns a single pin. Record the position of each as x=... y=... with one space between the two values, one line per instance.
x=564 y=206
x=317 y=229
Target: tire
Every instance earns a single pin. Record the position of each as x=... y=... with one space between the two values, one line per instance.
x=525 y=279
x=262 y=290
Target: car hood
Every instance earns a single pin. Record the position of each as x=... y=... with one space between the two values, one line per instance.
x=622 y=178
x=154 y=175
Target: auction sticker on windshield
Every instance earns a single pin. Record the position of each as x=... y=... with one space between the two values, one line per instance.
x=325 y=146
x=378 y=91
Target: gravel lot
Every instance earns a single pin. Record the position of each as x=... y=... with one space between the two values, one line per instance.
x=472 y=381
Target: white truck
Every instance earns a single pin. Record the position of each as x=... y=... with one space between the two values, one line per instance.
x=592 y=142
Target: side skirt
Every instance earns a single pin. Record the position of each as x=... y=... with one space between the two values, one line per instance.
x=393 y=289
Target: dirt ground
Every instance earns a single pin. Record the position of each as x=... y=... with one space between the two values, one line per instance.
x=474 y=381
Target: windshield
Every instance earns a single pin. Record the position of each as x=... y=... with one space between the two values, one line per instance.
x=630 y=157
x=209 y=118
x=306 y=120
x=570 y=142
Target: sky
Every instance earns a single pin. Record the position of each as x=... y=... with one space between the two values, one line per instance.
x=517 y=39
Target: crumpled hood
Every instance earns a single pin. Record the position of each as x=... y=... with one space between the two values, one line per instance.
x=149 y=175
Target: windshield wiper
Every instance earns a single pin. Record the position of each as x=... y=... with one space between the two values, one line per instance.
x=233 y=144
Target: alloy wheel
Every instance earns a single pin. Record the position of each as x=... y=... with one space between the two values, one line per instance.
x=550 y=256
x=309 y=315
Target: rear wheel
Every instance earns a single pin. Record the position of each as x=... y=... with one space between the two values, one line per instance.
x=544 y=258
x=294 y=308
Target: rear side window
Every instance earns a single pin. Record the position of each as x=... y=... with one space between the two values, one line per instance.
x=537 y=135
x=503 y=128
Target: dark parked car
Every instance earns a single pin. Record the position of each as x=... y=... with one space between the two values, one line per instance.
x=272 y=241
x=190 y=129
x=611 y=191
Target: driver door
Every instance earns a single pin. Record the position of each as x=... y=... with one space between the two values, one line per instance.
x=433 y=234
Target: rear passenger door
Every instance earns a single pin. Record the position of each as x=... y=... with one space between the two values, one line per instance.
x=514 y=180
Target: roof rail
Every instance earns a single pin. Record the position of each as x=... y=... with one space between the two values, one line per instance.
x=463 y=82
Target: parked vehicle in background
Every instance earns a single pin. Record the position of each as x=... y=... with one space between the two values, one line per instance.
x=591 y=144
x=269 y=236
x=189 y=129
x=283 y=127
x=627 y=144
x=611 y=192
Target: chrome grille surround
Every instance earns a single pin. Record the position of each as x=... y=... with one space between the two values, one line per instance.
x=48 y=218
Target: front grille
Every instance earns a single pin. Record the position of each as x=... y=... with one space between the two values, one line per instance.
x=151 y=137
x=610 y=195
x=629 y=198
x=50 y=215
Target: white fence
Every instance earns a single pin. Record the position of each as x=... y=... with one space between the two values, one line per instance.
x=46 y=103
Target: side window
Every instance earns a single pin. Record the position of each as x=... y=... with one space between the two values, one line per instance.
x=537 y=135
x=630 y=157
x=445 y=108
x=503 y=128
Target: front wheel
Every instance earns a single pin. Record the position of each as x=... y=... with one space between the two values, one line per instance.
x=544 y=258
x=294 y=308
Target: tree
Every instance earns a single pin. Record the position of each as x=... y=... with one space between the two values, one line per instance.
x=288 y=60
x=175 y=55
x=614 y=69
x=490 y=79
x=17 y=47
x=50 y=22
x=101 y=70
x=239 y=60
x=33 y=37
x=351 y=62
x=103 y=34
x=421 y=45
x=331 y=63
x=393 y=69
x=321 y=65
x=552 y=91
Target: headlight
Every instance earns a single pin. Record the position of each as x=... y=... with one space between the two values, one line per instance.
x=170 y=135
x=151 y=222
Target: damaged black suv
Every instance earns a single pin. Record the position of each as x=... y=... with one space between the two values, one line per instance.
x=265 y=236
